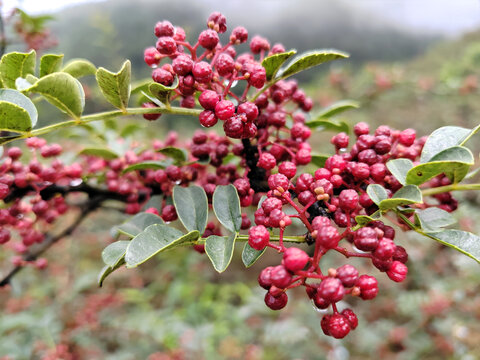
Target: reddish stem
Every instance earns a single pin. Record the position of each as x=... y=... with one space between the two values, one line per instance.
x=280 y=238
x=351 y=253
x=276 y=247
x=192 y=49
x=317 y=255
x=334 y=308
x=299 y=211
x=294 y=285
x=230 y=83
x=245 y=92
x=311 y=275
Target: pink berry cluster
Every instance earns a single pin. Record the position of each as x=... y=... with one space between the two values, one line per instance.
x=15 y=178
x=265 y=142
x=41 y=188
x=214 y=75
x=38 y=188
x=327 y=204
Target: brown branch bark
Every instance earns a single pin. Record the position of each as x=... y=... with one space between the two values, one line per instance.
x=52 y=190
x=256 y=175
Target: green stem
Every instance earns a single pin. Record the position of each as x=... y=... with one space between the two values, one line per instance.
x=448 y=188
x=415 y=228
x=408 y=222
x=243 y=238
x=105 y=116
x=265 y=88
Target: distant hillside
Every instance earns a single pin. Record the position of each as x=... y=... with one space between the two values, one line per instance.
x=111 y=31
x=440 y=87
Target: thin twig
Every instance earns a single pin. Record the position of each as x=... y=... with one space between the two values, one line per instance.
x=3 y=38
x=50 y=239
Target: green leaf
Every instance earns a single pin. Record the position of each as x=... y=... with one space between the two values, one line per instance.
x=399 y=168
x=162 y=92
x=363 y=220
x=273 y=63
x=31 y=79
x=204 y=161
x=139 y=86
x=151 y=164
x=444 y=138
x=138 y=223
x=104 y=153
x=130 y=129
x=469 y=135
x=337 y=108
x=6 y=139
x=178 y=155
x=146 y=97
x=154 y=201
x=107 y=270
x=454 y=162
x=262 y=199
x=191 y=204
x=377 y=193
x=115 y=86
x=310 y=59
x=250 y=255
x=340 y=126
x=409 y=194
x=22 y=84
x=14 y=65
x=35 y=24
x=50 y=63
x=13 y=117
x=79 y=68
x=219 y=250
x=226 y=206
x=114 y=256
x=154 y=240
x=319 y=160
x=465 y=242
x=63 y=91
x=17 y=112
x=433 y=219
x=114 y=253
x=406 y=210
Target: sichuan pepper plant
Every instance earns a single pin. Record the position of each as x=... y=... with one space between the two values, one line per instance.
x=202 y=192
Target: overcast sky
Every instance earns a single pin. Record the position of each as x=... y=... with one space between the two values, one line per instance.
x=450 y=17
x=446 y=16
x=38 y=6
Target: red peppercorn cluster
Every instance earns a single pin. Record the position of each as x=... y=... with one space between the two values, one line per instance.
x=16 y=178
x=214 y=75
x=38 y=187
x=269 y=121
x=326 y=203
